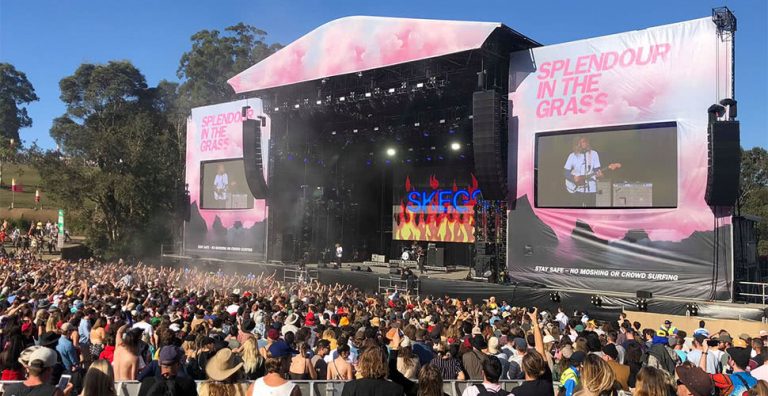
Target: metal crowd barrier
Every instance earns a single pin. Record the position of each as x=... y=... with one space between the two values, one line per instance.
x=754 y=292
x=299 y=275
x=315 y=387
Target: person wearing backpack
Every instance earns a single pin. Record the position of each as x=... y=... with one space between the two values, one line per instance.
x=168 y=383
x=490 y=385
x=738 y=383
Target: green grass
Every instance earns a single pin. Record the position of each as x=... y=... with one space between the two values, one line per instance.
x=27 y=177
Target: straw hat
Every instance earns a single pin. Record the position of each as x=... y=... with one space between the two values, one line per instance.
x=222 y=365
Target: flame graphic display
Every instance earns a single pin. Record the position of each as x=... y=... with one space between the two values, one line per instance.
x=436 y=219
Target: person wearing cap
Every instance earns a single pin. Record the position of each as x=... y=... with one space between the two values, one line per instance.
x=66 y=349
x=516 y=360
x=611 y=356
x=223 y=371
x=169 y=361
x=695 y=355
x=493 y=350
x=740 y=381
x=322 y=349
x=473 y=360
x=40 y=371
x=668 y=328
x=721 y=353
x=274 y=383
x=570 y=378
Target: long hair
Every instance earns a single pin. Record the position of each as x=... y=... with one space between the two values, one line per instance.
x=577 y=147
x=373 y=364
x=534 y=364
x=99 y=380
x=430 y=381
x=597 y=376
x=653 y=382
x=251 y=356
x=9 y=357
x=406 y=353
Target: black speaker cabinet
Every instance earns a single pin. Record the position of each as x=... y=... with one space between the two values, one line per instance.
x=489 y=141
x=724 y=166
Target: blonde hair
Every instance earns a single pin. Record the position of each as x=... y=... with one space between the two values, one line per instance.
x=251 y=356
x=50 y=325
x=652 y=381
x=99 y=380
x=597 y=376
x=373 y=364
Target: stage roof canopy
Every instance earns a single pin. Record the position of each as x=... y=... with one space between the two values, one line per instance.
x=359 y=43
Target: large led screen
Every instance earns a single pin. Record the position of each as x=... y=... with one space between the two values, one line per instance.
x=610 y=167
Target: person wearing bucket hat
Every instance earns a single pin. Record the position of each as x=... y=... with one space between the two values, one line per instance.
x=223 y=371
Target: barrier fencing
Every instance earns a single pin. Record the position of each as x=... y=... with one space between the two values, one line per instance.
x=313 y=388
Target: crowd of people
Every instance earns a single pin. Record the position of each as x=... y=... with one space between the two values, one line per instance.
x=75 y=328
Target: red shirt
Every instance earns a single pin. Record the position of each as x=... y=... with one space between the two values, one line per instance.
x=13 y=375
x=108 y=353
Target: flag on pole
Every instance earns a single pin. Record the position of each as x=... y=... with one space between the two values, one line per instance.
x=37 y=196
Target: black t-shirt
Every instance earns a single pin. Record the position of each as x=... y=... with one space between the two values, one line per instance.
x=371 y=387
x=19 y=389
x=183 y=386
x=540 y=387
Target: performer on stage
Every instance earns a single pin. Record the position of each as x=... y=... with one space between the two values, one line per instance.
x=582 y=168
x=221 y=184
x=339 y=253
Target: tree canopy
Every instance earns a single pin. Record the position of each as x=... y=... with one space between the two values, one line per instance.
x=753 y=194
x=119 y=167
x=15 y=92
x=215 y=58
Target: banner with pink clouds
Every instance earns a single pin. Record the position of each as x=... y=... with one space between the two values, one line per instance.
x=225 y=217
x=358 y=43
x=611 y=163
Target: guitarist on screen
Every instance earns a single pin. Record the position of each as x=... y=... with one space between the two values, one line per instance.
x=582 y=169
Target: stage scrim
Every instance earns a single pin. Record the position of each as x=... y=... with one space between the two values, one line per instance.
x=643 y=225
x=225 y=217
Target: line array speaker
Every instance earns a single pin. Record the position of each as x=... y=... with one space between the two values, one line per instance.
x=489 y=141
x=724 y=165
x=254 y=169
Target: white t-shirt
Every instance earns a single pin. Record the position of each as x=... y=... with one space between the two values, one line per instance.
x=584 y=164
x=339 y=251
x=221 y=181
x=260 y=388
x=144 y=326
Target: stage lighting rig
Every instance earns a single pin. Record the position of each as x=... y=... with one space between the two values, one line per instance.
x=455 y=146
x=691 y=309
x=642 y=305
x=391 y=152
x=554 y=297
x=596 y=300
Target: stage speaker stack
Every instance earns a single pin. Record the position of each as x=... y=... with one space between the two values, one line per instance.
x=724 y=165
x=254 y=169
x=489 y=140
x=436 y=257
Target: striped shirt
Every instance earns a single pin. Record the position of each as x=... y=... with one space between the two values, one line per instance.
x=449 y=368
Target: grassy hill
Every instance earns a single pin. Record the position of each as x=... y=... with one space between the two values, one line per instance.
x=27 y=181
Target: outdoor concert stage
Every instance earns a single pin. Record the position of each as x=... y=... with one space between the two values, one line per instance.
x=439 y=283
x=604 y=165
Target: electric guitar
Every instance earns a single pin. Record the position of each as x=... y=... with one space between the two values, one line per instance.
x=591 y=176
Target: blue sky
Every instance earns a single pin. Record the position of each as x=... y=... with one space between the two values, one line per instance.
x=49 y=39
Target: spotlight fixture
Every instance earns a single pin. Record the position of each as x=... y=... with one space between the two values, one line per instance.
x=442 y=120
x=596 y=300
x=691 y=309
x=367 y=94
x=554 y=297
x=391 y=90
x=354 y=131
x=333 y=132
x=342 y=98
x=420 y=85
x=375 y=129
x=455 y=146
x=417 y=124
x=319 y=102
x=642 y=305
x=277 y=109
x=391 y=152
x=296 y=106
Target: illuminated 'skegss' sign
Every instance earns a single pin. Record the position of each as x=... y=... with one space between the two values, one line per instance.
x=442 y=201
